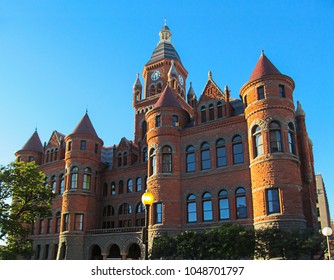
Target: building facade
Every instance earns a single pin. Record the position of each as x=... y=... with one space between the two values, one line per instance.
x=207 y=160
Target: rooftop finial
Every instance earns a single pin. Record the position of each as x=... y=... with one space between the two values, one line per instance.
x=262 y=52
x=210 y=75
x=165 y=20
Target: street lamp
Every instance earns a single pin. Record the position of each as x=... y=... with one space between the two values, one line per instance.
x=147 y=199
x=327 y=231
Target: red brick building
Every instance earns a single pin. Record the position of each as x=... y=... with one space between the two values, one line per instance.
x=207 y=160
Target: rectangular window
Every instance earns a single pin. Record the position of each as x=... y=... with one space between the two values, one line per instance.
x=221 y=156
x=241 y=207
x=190 y=162
x=192 y=215
x=49 y=225
x=207 y=210
x=273 y=205
x=224 y=212
x=65 y=225
x=281 y=91
x=78 y=222
x=31 y=158
x=96 y=148
x=83 y=145
x=69 y=146
x=175 y=120
x=158 y=213
x=157 y=121
x=260 y=93
x=41 y=226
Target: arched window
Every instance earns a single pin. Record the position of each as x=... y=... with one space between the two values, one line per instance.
x=219 y=110
x=54 y=184
x=291 y=137
x=113 y=188
x=205 y=156
x=144 y=154
x=211 y=112
x=224 y=210
x=74 y=177
x=108 y=211
x=120 y=187
x=221 y=153
x=207 y=207
x=166 y=159
x=190 y=159
x=138 y=184
x=203 y=114
x=130 y=186
x=125 y=209
x=238 y=154
x=153 y=162
x=275 y=137
x=241 y=203
x=61 y=183
x=87 y=178
x=143 y=130
x=257 y=141
x=191 y=209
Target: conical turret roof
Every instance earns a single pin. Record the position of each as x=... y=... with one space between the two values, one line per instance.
x=167 y=99
x=33 y=144
x=85 y=127
x=264 y=67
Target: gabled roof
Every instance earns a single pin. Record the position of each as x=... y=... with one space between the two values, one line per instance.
x=264 y=67
x=33 y=144
x=167 y=99
x=55 y=139
x=216 y=93
x=85 y=127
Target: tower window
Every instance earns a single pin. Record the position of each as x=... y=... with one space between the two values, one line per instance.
x=65 y=225
x=273 y=205
x=281 y=91
x=87 y=179
x=260 y=93
x=175 y=120
x=74 y=177
x=275 y=137
x=157 y=121
x=143 y=129
x=211 y=112
x=167 y=159
x=291 y=137
x=69 y=146
x=258 y=141
x=158 y=213
x=78 y=222
x=153 y=163
x=83 y=145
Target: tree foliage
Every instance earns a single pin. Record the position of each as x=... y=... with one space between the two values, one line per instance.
x=233 y=242
x=24 y=197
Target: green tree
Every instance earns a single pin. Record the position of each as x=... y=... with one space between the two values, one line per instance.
x=24 y=197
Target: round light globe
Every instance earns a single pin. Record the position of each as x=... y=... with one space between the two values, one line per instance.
x=327 y=231
x=147 y=198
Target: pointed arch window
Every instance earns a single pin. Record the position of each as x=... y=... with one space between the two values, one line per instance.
x=238 y=154
x=291 y=138
x=221 y=153
x=205 y=156
x=207 y=207
x=190 y=159
x=191 y=209
x=224 y=209
x=211 y=112
x=275 y=137
x=87 y=179
x=257 y=141
x=74 y=177
x=153 y=163
x=203 y=114
x=166 y=159
x=241 y=203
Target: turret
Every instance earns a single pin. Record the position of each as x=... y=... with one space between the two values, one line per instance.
x=82 y=163
x=32 y=151
x=137 y=90
x=274 y=161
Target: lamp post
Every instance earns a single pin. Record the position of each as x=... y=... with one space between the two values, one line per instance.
x=327 y=231
x=147 y=199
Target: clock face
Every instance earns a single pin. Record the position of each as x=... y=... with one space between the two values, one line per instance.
x=181 y=80
x=155 y=75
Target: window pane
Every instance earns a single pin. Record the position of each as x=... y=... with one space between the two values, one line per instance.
x=207 y=210
x=224 y=212
x=158 y=213
x=190 y=162
x=241 y=207
x=205 y=159
x=192 y=217
x=238 y=156
x=273 y=201
x=221 y=156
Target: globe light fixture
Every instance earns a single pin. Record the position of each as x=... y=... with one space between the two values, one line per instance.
x=147 y=199
x=327 y=231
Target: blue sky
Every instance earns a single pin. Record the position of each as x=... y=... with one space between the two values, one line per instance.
x=59 y=58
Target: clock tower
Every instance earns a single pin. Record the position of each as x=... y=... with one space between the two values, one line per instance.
x=163 y=68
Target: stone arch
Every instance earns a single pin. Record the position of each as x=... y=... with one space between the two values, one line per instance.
x=114 y=252
x=95 y=252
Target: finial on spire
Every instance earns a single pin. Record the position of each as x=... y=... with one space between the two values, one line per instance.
x=210 y=75
x=87 y=109
x=262 y=52
x=165 y=20
x=299 y=111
